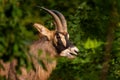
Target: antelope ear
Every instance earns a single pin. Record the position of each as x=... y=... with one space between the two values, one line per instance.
x=43 y=30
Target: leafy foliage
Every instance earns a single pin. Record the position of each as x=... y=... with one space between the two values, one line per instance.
x=89 y=26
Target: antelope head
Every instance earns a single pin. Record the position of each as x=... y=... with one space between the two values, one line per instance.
x=59 y=38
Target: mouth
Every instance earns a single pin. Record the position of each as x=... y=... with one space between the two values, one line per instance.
x=69 y=54
x=73 y=54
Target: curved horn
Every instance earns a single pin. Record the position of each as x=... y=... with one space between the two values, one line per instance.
x=56 y=18
x=62 y=18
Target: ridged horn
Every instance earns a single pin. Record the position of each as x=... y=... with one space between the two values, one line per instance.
x=56 y=18
x=62 y=18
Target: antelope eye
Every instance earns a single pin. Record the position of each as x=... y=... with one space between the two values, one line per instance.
x=57 y=36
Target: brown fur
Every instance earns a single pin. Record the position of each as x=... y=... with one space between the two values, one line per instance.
x=47 y=56
x=44 y=51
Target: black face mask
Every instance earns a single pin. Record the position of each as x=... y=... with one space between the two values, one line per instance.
x=60 y=47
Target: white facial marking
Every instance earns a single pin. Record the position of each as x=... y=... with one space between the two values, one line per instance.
x=63 y=39
x=66 y=53
x=68 y=36
x=74 y=50
x=55 y=41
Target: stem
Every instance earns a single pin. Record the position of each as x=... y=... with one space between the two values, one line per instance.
x=109 y=40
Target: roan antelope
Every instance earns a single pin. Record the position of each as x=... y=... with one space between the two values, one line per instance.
x=51 y=44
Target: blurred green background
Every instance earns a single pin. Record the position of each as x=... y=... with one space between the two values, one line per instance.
x=93 y=25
